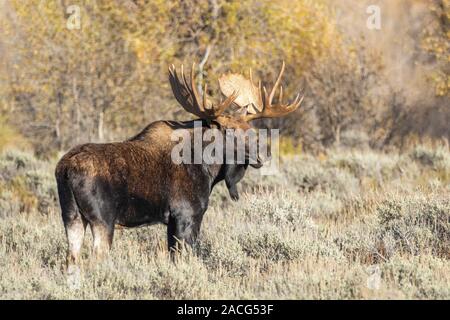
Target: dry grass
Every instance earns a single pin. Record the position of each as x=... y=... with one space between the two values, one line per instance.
x=349 y=225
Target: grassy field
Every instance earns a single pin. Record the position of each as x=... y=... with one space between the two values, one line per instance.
x=344 y=225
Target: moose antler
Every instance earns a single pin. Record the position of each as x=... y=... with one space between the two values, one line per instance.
x=189 y=98
x=269 y=110
x=248 y=96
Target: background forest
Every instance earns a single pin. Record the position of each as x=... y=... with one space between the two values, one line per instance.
x=105 y=78
x=361 y=206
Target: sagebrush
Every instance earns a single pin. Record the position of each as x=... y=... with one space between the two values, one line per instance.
x=324 y=228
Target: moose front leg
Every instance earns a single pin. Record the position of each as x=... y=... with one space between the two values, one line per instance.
x=182 y=229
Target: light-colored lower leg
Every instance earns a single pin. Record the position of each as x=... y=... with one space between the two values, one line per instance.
x=102 y=240
x=75 y=236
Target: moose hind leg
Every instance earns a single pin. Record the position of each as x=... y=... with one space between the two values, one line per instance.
x=75 y=230
x=98 y=203
x=74 y=222
x=103 y=237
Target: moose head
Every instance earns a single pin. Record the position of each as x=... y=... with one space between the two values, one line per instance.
x=254 y=101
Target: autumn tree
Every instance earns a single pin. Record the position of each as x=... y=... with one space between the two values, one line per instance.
x=107 y=78
x=342 y=85
x=437 y=43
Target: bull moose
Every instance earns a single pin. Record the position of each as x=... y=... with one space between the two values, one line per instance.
x=135 y=182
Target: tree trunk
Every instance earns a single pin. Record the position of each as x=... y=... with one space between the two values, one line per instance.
x=201 y=65
x=214 y=15
x=58 y=136
x=337 y=136
x=77 y=111
x=100 y=134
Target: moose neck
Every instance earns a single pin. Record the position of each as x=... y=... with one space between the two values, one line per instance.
x=216 y=172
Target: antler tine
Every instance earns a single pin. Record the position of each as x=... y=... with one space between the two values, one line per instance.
x=182 y=74
x=205 y=88
x=179 y=89
x=280 y=96
x=251 y=76
x=274 y=89
x=279 y=108
x=172 y=73
x=174 y=80
x=296 y=103
x=296 y=99
x=265 y=97
x=188 y=96
x=300 y=101
x=189 y=87
x=183 y=77
x=225 y=104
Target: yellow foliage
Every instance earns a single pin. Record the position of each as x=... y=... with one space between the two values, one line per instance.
x=116 y=61
x=9 y=137
x=288 y=147
x=437 y=43
x=322 y=157
x=26 y=198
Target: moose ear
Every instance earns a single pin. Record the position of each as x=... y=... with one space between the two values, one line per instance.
x=233 y=174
